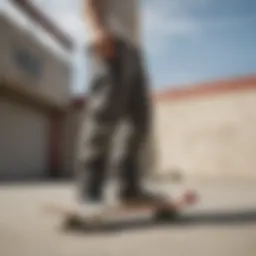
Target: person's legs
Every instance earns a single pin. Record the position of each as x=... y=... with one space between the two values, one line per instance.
x=139 y=116
x=106 y=104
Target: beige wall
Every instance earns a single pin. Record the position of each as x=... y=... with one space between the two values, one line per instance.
x=208 y=136
x=53 y=79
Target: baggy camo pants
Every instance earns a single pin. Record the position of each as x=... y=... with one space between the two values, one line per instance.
x=118 y=92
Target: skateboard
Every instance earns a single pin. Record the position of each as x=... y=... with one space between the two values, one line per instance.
x=163 y=211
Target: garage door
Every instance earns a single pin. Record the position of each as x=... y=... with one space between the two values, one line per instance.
x=23 y=141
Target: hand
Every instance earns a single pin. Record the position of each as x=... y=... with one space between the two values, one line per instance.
x=103 y=43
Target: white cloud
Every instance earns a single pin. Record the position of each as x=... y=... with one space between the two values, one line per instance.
x=158 y=23
x=164 y=19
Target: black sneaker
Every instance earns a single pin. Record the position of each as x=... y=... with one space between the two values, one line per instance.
x=142 y=197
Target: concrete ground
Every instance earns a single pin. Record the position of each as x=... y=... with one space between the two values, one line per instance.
x=222 y=224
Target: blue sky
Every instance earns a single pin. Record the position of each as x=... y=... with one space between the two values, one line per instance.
x=185 y=41
x=198 y=40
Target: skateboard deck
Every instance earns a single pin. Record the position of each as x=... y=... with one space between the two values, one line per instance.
x=167 y=210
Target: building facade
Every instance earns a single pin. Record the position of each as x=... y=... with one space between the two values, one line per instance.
x=34 y=97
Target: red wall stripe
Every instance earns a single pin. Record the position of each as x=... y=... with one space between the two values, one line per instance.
x=196 y=90
x=55 y=146
x=207 y=89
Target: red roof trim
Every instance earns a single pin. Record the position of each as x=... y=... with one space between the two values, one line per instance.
x=208 y=89
x=204 y=89
x=34 y=13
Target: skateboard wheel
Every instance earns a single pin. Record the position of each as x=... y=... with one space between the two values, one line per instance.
x=190 y=197
x=72 y=222
x=166 y=215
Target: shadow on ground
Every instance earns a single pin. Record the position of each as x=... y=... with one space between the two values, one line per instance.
x=213 y=218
